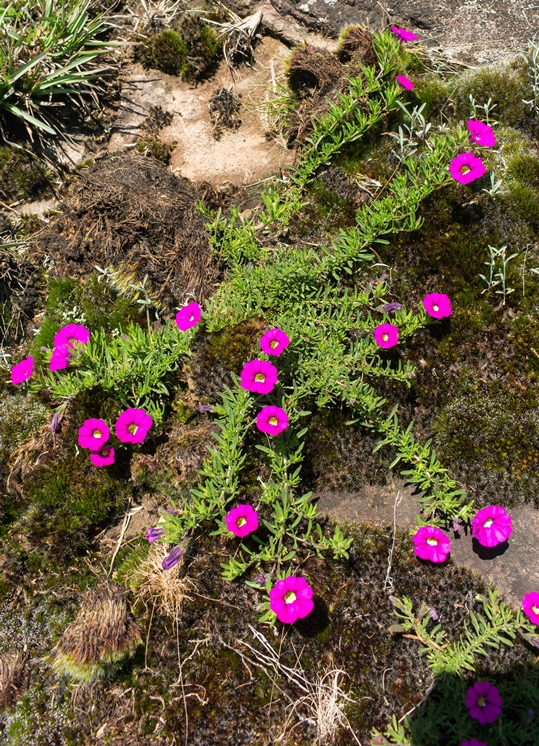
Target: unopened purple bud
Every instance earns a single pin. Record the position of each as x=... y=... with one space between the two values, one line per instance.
x=392 y=599
x=261 y=579
x=44 y=349
x=534 y=641
x=389 y=307
x=152 y=534
x=433 y=614
x=172 y=511
x=172 y=558
x=55 y=422
x=124 y=336
x=383 y=277
x=456 y=525
x=205 y=408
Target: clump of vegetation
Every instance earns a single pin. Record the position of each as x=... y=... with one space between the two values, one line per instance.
x=48 y=49
x=102 y=635
x=22 y=176
x=186 y=52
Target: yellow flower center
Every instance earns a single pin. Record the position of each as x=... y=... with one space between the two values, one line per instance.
x=260 y=377
x=385 y=337
x=481 y=701
x=273 y=421
x=274 y=343
x=434 y=307
x=535 y=609
x=432 y=542
x=488 y=524
x=290 y=597
x=97 y=434
x=241 y=522
x=132 y=428
x=464 y=170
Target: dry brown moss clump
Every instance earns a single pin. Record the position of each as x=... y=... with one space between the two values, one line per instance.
x=12 y=675
x=102 y=634
x=316 y=76
x=129 y=212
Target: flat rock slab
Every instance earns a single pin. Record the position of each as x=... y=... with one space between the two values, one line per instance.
x=239 y=157
x=471 y=31
x=511 y=567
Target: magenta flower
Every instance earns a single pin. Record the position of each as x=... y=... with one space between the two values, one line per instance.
x=437 y=305
x=172 y=558
x=466 y=167
x=60 y=358
x=188 y=316
x=272 y=420
x=484 y=702
x=473 y=742
x=405 y=82
x=132 y=425
x=274 y=341
x=431 y=544
x=530 y=606
x=386 y=335
x=492 y=526
x=481 y=133
x=153 y=534
x=70 y=334
x=242 y=520
x=259 y=376
x=291 y=599
x=93 y=434
x=103 y=457
x=403 y=34
x=22 y=371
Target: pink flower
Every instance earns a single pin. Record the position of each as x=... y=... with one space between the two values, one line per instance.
x=60 y=357
x=274 y=341
x=291 y=599
x=188 y=316
x=103 y=457
x=259 y=376
x=386 y=335
x=481 y=133
x=242 y=520
x=473 y=742
x=405 y=82
x=484 y=702
x=403 y=34
x=93 y=434
x=466 y=167
x=431 y=544
x=70 y=334
x=492 y=526
x=272 y=420
x=530 y=606
x=22 y=371
x=437 y=305
x=132 y=425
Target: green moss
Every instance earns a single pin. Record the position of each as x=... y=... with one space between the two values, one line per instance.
x=166 y=51
x=22 y=176
x=506 y=86
x=185 y=53
x=152 y=146
x=525 y=169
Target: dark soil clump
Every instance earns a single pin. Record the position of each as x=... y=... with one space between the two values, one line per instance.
x=224 y=109
x=129 y=213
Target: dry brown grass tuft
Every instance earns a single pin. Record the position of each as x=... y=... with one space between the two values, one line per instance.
x=161 y=589
x=102 y=633
x=12 y=675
